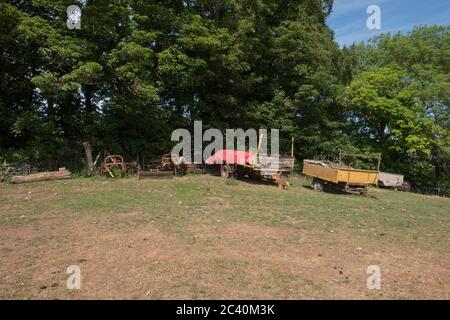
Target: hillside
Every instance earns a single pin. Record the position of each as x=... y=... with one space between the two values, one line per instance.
x=204 y=237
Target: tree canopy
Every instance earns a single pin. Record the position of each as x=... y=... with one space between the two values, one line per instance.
x=137 y=70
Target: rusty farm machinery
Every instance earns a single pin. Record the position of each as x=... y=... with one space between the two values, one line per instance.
x=115 y=166
x=167 y=166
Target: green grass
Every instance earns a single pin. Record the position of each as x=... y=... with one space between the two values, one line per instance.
x=205 y=217
x=176 y=203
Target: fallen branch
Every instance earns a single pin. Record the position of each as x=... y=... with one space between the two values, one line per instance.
x=61 y=174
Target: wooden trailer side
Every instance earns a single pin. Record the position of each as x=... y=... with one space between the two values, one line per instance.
x=318 y=171
x=354 y=176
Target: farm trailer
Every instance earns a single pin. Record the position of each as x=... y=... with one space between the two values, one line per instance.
x=394 y=181
x=236 y=163
x=339 y=176
x=168 y=166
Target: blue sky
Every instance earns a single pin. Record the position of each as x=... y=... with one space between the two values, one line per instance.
x=348 y=19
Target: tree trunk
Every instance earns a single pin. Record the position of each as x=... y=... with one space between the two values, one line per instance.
x=50 y=107
x=88 y=149
x=88 y=96
x=217 y=10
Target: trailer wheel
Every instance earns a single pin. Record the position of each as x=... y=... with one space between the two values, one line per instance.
x=225 y=171
x=406 y=186
x=283 y=181
x=317 y=185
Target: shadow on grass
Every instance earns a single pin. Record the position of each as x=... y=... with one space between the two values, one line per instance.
x=246 y=179
x=337 y=191
x=257 y=181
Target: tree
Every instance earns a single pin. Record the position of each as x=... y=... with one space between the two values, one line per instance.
x=399 y=100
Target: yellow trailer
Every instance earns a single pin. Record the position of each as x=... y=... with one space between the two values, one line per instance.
x=340 y=176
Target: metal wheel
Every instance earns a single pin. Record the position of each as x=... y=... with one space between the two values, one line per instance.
x=225 y=171
x=317 y=185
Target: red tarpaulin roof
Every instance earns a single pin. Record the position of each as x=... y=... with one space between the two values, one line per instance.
x=231 y=157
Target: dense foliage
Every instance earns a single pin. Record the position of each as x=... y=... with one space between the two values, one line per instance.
x=398 y=102
x=138 y=69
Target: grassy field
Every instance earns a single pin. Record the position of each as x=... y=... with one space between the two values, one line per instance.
x=203 y=237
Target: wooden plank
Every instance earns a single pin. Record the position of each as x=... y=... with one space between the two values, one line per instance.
x=155 y=174
x=110 y=173
x=313 y=169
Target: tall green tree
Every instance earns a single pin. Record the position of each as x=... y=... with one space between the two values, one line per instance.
x=399 y=101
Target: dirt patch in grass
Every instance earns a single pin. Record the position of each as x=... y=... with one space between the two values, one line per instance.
x=216 y=203
x=242 y=261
